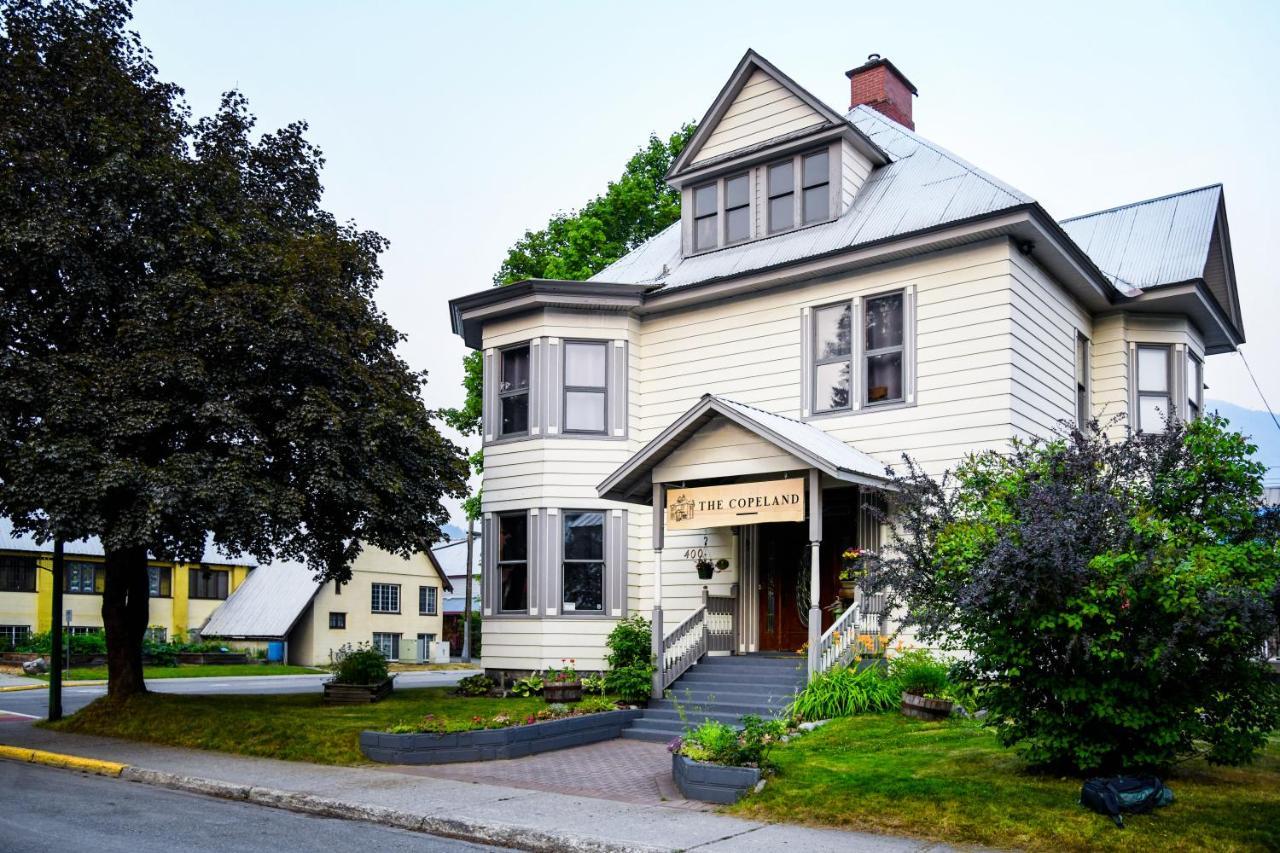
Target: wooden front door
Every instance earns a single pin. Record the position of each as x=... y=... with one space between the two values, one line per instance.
x=783 y=586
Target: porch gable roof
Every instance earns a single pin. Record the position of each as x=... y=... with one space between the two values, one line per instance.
x=631 y=482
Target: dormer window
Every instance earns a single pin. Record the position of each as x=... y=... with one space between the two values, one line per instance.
x=737 y=208
x=817 y=184
x=706 y=219
x=814 y=202
x=782 y=197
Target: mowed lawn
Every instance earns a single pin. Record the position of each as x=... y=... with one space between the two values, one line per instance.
x=295 y=727
x=99 y=673
x=952 y=782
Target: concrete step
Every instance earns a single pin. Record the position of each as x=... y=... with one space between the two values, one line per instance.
x=761 y=707
x=727 y=692
x=736 y=684
x=795 y=664
x=693 y=717
x=651 y=733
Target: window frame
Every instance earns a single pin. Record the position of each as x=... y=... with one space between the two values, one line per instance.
x=603 y=562
x=96 y=583
x=1138 y=394
x=428 y=600
x=1195 y=373
x=392 y=591
x=341 y=620
x=867 y=353
x=164 y=581
x=504 y=395
x=1083 y=375
x=13 y=635
x=566 y=388
x=804 y=187
x=714 y=215
x=498 y=562
x=724 y=196
x=395 y=643
x=212 y=573
x=16 y=570
x=816 y=361
x=770 y=195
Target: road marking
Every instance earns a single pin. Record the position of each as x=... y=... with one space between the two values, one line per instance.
x=4 y=713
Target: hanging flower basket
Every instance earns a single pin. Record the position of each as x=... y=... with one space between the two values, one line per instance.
x=852 y=572
x=706 y=569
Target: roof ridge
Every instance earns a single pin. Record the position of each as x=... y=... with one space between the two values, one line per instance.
x=1165 y=197
x=941 y=152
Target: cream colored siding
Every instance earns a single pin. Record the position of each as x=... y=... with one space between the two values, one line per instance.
x=854 y=169
x=1116 y=336
x=1110 y=377
x=722 y=449
x=763 y=110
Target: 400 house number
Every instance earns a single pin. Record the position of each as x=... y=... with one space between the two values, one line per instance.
x=695 y=554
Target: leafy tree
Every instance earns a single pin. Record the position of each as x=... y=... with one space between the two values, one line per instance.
x=189 y=350
x=1113 y=596
x=576 y=246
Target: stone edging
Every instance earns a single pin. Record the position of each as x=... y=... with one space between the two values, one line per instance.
x=712 y=783
x=491 y=744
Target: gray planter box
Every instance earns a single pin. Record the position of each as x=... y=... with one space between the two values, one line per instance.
x=712 y=783
x=495 y=744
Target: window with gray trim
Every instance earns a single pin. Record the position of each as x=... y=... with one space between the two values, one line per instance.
x=584 y=564
x=1195 y=386
x=513 y=562
x=884 y=360
x=1082 y=381
x=706 y=217
x=737 y=208
x=833 y=357
x=816 y=181
x=782 y=196
x=586 y=386
x=513 y=391
x=1154 y=388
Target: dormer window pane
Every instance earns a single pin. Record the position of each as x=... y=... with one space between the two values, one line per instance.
x=737 y=209
x=705 y=220
x=781 y=197
x=817 y=185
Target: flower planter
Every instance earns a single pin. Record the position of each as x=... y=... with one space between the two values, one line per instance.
x=706 y=571
x=567 y=691
x=712 y=783
x=356 y=694
x=848 y=590
x=924 y=708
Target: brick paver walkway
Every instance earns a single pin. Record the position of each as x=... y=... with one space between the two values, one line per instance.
x=630 y=771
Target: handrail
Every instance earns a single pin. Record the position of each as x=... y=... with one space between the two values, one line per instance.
x=847 y=634
x=682 y=647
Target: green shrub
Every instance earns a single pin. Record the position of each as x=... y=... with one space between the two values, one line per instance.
x=593 y=684
x=720 y=743
x=596 y=704
x=475 y=685
x=531 y=686
x=93 y=643
x=845 y=692
x=918 y=672
x=362 y=664
x=630 y=659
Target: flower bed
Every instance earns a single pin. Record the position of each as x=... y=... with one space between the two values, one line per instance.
x=719 y=763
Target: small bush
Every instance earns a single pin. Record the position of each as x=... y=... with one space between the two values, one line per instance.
x=593 y=684
x=720 y=743
x=362 y=664
x=845 y=692
x=93 y=643
x=630 y=683
x=918 y=672
x=596 y=704
x=475 y=685
x=531 y=686
x=630 y=659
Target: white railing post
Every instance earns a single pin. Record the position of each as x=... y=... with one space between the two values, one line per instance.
x=656 y=640
x=815 y=568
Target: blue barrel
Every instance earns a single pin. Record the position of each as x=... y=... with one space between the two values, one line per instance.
x=275 y=651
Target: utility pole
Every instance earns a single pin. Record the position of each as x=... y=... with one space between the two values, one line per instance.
x=55 y=635
x=466 y=607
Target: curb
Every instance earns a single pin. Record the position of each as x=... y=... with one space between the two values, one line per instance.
x=504 y=835
x=16 y=687
x=66 y=762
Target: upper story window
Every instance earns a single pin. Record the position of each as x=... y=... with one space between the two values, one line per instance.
x=513 y=391
x=884 y=349
x=159 y=581
x=816 y=180
x=17 y=574
x=706 y=217
x=385 y=598
x=428 y=597
x=833 y=366
x=1195 y=386
x=1154 y=387
x=207 y=583
x=82 y=578
x=812 y=204
x=513 y=562
x=583 y=562
x=586 y=386
x=782 y=196
x=737 y=208
x=1082 y=381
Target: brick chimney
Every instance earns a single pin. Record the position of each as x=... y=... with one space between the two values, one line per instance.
x=881 y=86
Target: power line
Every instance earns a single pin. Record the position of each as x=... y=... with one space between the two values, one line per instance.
x=1261 y=396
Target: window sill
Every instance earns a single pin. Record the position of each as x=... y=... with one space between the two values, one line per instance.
x=865 y=410
x=385 y=612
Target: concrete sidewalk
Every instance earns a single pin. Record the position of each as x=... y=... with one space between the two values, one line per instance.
x=20 y=682
x=513 y=817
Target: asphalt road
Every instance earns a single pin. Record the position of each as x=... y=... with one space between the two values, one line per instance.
x=35 y=703
x=59 y=811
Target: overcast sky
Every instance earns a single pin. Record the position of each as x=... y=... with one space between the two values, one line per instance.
x=451 y=128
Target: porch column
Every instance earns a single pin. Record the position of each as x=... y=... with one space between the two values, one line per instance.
x=659 y=512
x=815 y=573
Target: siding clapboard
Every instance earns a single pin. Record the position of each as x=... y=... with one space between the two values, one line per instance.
x=763 y=110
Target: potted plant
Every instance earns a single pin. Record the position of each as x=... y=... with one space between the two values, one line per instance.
x=853 y=570
x=563 y=684
x=359 y=676
x=706 y=569
x=719 y=763
x=925 y=682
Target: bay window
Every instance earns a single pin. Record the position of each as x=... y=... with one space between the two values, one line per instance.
x=583 y=570
x=1154 y=386
x=586 y=390
x=1082 y=381
x=1195 y=386
x=513 y=391
x=513 y=562
x=884 y=349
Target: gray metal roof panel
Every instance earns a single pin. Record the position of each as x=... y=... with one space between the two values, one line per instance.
x=817 y=441
x=91 y=547
x=267 y=604
x=924 y=186
x=1149 y=243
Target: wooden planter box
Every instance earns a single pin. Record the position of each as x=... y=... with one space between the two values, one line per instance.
x=569 y=691
x=712 y=783
x=213 y=657
x=356 y=694
x=922 y=708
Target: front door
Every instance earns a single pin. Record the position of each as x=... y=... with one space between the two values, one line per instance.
x=783 y=560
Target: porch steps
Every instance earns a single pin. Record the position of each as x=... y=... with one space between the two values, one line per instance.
x=723 y=689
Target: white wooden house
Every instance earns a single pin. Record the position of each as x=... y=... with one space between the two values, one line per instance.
x=839 y=291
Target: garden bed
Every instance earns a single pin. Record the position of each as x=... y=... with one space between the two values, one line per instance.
x=357 y=694
x=712 y=783
x=491 y=744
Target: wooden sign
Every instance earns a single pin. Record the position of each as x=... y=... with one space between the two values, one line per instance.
x=739 y=503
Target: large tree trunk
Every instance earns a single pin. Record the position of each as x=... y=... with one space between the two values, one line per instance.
x=125 y=615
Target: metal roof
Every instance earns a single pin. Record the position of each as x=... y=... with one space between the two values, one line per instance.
x=266 y=605
x=1160 y=241
x=91 y=547
x=810 y=445
x=924 y=186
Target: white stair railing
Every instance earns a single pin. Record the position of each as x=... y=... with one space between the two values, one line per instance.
x=683 y=647
x=857 y=630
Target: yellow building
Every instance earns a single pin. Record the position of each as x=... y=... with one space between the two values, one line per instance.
x=183 y=595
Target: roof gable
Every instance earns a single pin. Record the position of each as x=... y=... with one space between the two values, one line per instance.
x=758 y=103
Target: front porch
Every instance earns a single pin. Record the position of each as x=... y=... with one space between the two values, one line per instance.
x=785 y=500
